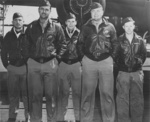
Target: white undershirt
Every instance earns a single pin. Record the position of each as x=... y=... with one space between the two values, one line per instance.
x=17 y=34
x=70 y=33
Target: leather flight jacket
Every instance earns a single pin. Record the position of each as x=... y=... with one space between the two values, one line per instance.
x=12 y=49
x=71 y=56
x=130 y=56
x=43 y=46
x=97 y=44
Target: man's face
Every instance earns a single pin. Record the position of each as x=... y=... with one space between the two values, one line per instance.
x=71 y=23
x=44 y=12
x=18 y=22
x=129 y=27
x=97 y=13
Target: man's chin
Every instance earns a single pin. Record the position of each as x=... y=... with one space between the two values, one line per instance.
x=44 y=17
x=96 y=19
x=18 y=28
x=129 y=33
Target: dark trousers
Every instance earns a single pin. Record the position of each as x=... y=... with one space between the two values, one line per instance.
x=42 y=77
x=17 y=85
x=130 y=101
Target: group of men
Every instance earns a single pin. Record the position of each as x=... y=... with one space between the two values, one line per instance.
x=46 y=59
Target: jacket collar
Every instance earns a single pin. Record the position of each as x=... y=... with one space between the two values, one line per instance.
x=71 y=34
x=49 y=23
x=104 y=21
x=17 y=35
x=135 y=37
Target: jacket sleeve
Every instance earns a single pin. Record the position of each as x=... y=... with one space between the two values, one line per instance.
x=26 y=44
x=4 y=52
x=117 y=52
x=80 y=44
x=142 y=55
x=61 y=42
x=114 y=43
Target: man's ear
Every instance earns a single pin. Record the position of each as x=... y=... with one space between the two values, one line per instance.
x=123 y=26
x=39 y=9
x=23 y=20
x=66 y=22
x=76 y=22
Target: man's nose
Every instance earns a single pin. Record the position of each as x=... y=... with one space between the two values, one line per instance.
x=44 y=11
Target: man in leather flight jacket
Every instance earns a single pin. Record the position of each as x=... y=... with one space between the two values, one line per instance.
x=130 y=58
x=97 y=43
x=69 y=71
x=45 y=42
x=15 y=63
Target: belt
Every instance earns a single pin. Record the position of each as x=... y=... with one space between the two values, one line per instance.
x=17 y=63
x=70 y=61
x=43 y=60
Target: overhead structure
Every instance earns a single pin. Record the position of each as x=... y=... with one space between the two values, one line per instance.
x=26 y=2
x=138 y=9
x=3 y=11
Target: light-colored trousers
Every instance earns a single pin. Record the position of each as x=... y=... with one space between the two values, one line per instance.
x=42 y=78
x=69 y=76
x=97 y=73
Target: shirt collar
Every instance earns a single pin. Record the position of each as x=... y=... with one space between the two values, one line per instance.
x=18 y=34
x=70 y=34
x=134 y=36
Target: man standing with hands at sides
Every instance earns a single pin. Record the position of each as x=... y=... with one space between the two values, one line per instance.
x=15 y=63
x=97 y=43
x=130 y=58
x=69 y=71
x=45 y=42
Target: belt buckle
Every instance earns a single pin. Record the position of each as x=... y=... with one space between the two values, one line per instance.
x=41 y=60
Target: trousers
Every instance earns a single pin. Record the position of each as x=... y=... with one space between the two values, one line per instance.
x=97 y=73
x=17 y=87
x=130 y=101
x=42 y=79
x=69 y=77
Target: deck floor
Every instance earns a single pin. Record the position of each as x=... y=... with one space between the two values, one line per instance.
x=69 y=115
x=20 y=117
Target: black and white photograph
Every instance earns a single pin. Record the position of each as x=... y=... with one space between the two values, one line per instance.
x=74 y=60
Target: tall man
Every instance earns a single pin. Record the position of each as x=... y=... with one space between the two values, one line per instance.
x=130 y=58
x=45 y=42
x=15 y=63
x=98 y=44
x=70 y=70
